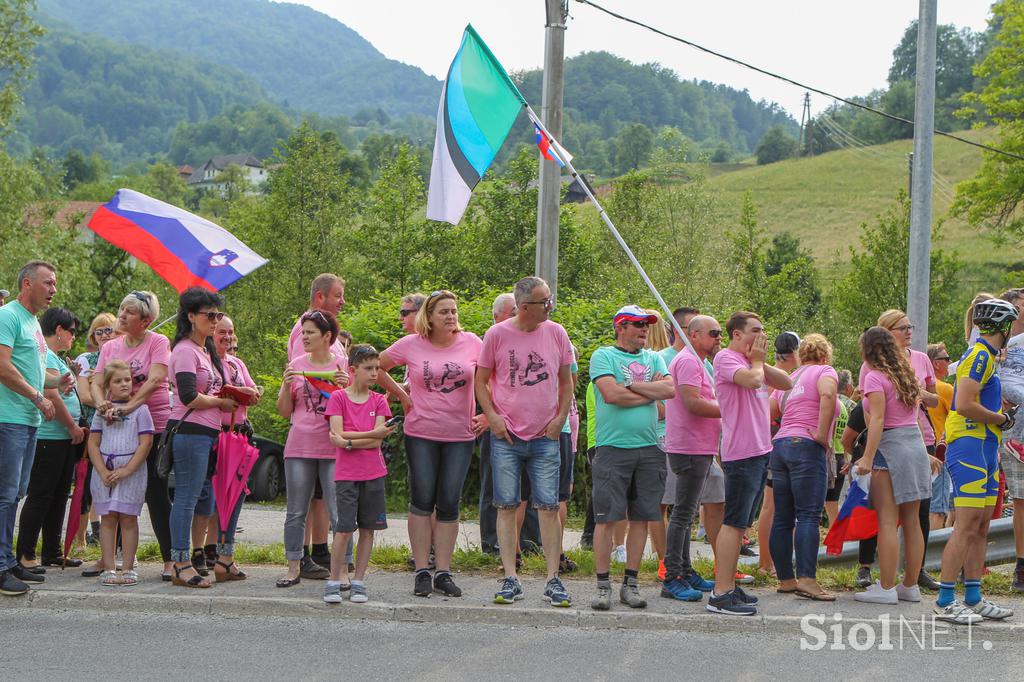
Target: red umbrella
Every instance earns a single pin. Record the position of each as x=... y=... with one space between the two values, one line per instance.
x=75 y=511
x=235 y=459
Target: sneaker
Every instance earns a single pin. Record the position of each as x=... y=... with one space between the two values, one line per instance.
x=619 y=554
x=747 y=599
x=320 y=559
x=662 y=573
x=629 y=594
x=358 y=594
x=587 y=542
x=729 y=604
x=701 y=533
x=1018 y=580
x=25 y=575
x=423 y=586
x=444 y=584
x=679 y=588
x=311 y=570
x=92 y=539
x=511 y=591
x=332 y=593
x=746 y=551
x=555 y=594
x=927 y=582
x=863 y=576
x=566 y=565
x=956 y=613
x=11 y=585
x=742 y=578
x=876 y=594
x=904 y=593
x=990 y=611
x=603 y=600
x=698 y=583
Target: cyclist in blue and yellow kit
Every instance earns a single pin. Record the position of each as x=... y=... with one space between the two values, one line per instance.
x=973 y=430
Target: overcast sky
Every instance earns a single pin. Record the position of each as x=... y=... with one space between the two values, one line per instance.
x=841 y=47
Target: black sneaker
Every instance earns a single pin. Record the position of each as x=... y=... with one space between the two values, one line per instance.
x=864 y=576
x=444 y=584
x=423 y=587
x=25 y=574
x=312 y=570
x=1018 y=580
x=10 y=585
x=730 y=604
x=746 y=551
x=927 y=582
x=748 y=599
x=566 y=565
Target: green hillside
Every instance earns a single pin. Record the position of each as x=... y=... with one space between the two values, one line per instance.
x=824 y=199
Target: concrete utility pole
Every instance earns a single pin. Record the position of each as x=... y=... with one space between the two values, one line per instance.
x=546 y=262
x=919 y=270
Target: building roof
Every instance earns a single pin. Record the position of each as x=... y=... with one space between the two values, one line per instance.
x=66 y=214
x=219 y=163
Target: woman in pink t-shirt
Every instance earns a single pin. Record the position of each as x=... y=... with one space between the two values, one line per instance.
x=197 y=376
x=799 y=466
x=440 y=430
x=147 y=354
x=895 y=457
x=308 y=383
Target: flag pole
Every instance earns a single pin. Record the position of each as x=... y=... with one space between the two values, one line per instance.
x=611 y=227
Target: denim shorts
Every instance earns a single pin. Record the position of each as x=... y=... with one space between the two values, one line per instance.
x=744 y=486
x=542 y=460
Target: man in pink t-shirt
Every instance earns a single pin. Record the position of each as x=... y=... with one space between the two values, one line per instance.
x=327 y=294
x=524 y=385
x=693 y=427
x=742 y=381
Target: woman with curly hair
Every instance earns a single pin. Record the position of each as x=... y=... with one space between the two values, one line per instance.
x=895 y=455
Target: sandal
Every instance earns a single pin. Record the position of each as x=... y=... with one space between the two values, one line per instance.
x=222 y=572
x=195 y=581
x=288 y=582
x=109 y=578
x=815 y=596
x=129 y=578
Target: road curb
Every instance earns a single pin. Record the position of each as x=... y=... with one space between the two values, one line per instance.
x=508 y=616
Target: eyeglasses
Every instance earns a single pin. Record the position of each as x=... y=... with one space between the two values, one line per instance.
x=944 y=358
x=103 y=331
x=638 y=325
x=406 y=312
x=547 y=302
x=904 y=328
x=213 y=316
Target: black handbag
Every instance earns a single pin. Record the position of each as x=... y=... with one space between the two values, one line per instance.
x=165 y=448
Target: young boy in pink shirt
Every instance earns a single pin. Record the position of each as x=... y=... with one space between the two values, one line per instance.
x=357 y=417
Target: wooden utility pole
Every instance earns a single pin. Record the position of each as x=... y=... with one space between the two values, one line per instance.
x=548 y=198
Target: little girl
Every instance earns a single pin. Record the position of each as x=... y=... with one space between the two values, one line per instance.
x=118 y=451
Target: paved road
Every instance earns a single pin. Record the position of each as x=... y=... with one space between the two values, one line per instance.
x=87 y=645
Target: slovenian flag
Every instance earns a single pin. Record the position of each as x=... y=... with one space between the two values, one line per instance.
x=856 y=521
x=546 y=145
x=184 y=249
x=479 y=104
x=324 y=386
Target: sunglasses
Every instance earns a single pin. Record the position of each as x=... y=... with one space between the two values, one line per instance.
x=638 y=325
x=547 y=302
x=213 y=316
x=103 y=331
x=141 y=296
x=406 y=312
x=714 y=333
x=944 y=358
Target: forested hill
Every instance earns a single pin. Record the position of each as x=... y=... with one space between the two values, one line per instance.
x=603 y=92
x=300 y=56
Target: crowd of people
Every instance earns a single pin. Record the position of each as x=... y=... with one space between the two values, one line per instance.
x=685 y=422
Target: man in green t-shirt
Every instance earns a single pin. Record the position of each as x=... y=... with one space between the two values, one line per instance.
x=629 y=467
x=22 y=405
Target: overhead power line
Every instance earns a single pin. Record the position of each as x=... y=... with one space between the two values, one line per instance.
x=765 y=72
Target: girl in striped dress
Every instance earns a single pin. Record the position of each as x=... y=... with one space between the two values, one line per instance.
x=118 y=449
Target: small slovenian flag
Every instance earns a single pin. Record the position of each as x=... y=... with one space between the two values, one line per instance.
x=325 y=387
x=856 y=521
x=182 y=248
x=545 y=146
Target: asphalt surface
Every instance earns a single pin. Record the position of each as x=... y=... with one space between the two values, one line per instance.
x=44 y=644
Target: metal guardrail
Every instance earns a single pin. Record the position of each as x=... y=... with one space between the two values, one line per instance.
x=1001 y=547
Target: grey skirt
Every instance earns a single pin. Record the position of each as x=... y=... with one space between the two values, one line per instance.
x=903 y=454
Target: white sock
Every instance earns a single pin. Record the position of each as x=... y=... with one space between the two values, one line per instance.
x=334 y=583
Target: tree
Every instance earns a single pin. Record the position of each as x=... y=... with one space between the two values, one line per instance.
x=79 y=169
x=955 y=51
x=18 y=35
x=633 y=146
x=776 y=145
x=992 y=198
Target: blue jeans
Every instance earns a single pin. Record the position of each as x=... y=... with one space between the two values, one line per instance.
x=437 y=472
x=17 y=450
x=542 y=460
x=800 y=476
x=191 y=459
